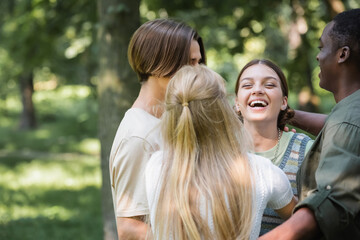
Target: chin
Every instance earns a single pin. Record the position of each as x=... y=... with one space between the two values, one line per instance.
x=258 y=119
x=323 y=86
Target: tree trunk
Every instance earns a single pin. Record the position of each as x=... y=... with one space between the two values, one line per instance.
x=118 y=86
x=27 y=118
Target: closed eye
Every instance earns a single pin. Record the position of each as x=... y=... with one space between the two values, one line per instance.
x=247 y=85
x=195 y=61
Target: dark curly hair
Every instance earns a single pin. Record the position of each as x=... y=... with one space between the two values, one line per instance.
x=346 y=32
x=284 y=115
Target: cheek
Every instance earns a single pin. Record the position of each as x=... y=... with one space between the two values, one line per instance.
x=241 y=98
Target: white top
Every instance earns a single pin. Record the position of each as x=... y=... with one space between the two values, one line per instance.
x=136 y=139
x=272 y=188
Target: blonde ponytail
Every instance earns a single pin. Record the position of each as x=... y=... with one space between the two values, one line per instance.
x=205 y=162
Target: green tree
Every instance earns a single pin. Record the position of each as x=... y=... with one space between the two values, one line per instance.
x=42 y=33
x=117 y=88
x=236 y=31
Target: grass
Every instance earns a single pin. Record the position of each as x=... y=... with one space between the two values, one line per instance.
x=50 y=177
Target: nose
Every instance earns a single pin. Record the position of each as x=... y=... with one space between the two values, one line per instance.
x=257 y=89
x=317 y=57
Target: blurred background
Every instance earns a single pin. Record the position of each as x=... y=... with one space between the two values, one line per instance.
x=65 y=84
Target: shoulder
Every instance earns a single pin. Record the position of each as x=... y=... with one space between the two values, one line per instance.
x=291 y=136
x=346 y=111
x=137 y=129
x=257 y=161
x=299 y=142
x=137 y=122
x=264 y=169
x=303 y=140
x=154 y=164
x=261 y=166
x=270 y=181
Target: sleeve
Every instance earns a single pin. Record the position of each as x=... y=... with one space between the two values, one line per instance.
x=128 y=177
x=281 y=193
x=152 y=181
x=336 y=199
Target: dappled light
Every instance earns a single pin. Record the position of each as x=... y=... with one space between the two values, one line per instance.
x=51 y=175
x=59 y=190
x=67 y=60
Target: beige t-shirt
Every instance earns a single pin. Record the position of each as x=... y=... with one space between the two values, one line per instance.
x=137 y=137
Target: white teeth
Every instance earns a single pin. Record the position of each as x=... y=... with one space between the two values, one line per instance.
x=258 y=103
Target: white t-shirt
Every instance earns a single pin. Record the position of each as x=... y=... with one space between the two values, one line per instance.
x=136 y=139
x=272 y=188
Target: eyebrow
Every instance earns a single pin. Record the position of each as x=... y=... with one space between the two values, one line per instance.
x=250 y=78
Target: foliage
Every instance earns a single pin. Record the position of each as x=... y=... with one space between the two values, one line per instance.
x=235 y=32
x=40 y=35
x=68 y=119
x=50 y=177
x=45 y=198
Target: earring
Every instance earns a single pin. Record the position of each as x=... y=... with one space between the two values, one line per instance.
x=283 y=108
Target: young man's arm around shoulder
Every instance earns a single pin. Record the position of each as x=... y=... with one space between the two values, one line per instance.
x=300 y=226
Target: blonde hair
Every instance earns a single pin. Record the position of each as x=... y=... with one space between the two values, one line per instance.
x=205 y=162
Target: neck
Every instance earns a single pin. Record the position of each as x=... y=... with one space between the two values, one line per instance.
x=265 y=136
x=152 y=95
x=344 y=92
x=349 y=82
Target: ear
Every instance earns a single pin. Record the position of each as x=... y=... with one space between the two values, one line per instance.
x=237 y=105
x=343 y=54
x=284 y=103
x=237 y=108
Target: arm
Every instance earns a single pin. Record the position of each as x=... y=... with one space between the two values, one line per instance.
x=335 y=198
x=286 y=211
x=307 y=121
x=300 y=226
x=131 y=228
x=127 y=168
x=282 y=198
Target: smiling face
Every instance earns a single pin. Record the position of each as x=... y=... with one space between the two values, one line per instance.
x=259 y=96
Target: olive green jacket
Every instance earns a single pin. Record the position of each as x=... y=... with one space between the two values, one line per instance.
x=329 y=178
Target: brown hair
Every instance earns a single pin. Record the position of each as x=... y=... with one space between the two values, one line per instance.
x=161 y=47
x=284 y=115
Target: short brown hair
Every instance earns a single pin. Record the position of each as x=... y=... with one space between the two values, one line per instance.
x=284 y=115
x=161 y=47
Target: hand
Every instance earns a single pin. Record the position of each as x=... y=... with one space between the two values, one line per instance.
x=286 y=129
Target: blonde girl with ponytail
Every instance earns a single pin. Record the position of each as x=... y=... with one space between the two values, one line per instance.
x=204 y=184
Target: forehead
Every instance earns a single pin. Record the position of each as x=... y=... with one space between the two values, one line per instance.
x=195 y=49
x=259 y=71
x=325 y=36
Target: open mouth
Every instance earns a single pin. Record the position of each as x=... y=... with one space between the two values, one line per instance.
x=258 y=103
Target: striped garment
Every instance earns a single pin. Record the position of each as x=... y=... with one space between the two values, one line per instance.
x=290 y=164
